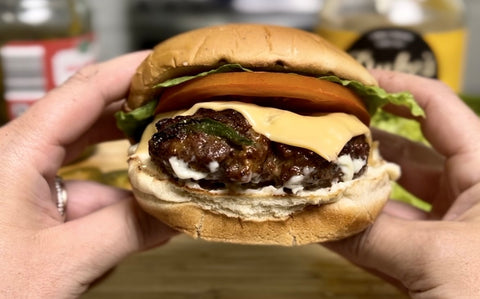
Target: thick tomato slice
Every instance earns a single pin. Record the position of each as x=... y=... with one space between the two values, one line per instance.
x=301 y=94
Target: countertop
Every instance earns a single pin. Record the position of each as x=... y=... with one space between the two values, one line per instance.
x=187 y=268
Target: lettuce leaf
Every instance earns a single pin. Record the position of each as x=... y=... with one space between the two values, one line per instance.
x=226 y=68
x=375 y=97
x=410 y=129
x=134 y=122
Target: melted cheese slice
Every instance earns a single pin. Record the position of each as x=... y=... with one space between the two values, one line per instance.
x=325 y=135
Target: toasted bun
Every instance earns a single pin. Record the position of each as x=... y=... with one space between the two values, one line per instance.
x=259 y=47
x=332 y=214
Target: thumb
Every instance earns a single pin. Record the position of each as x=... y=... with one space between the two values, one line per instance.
x=98 y=242
x=388 y=248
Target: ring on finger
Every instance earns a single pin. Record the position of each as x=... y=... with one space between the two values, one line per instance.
x=62 y=196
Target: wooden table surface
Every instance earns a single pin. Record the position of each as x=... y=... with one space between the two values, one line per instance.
x=187 y=268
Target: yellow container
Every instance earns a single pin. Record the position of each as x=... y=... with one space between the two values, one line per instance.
x=423 y=37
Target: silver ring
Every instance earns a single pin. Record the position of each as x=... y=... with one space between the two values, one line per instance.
x=62 y=195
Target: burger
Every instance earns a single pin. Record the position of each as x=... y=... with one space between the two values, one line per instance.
x=256 y=134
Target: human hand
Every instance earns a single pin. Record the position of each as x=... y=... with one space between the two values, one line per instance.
x=43 y=255
x=428 y=254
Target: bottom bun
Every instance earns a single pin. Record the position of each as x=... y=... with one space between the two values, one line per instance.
x=351 y=208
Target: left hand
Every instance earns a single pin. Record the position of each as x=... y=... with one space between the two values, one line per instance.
x=43 y=255
x=430 y=254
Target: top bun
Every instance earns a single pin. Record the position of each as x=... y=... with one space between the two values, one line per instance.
x=257 y=47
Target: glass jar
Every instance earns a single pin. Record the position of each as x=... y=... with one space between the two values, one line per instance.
x=423 y=37
x=42 y=43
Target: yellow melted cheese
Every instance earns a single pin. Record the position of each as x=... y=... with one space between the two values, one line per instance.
x=325 y=135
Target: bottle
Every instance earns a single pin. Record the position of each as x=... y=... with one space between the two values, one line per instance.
x=42 y=43
x=423 y=37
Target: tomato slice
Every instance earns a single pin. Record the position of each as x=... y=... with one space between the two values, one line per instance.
x=297 y=93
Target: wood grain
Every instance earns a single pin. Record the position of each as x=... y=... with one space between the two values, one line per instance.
x=187 y=268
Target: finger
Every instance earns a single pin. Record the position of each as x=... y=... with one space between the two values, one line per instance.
x=466 y=207
x=403 y=210
x=67 y=112
x=387 y=247
x=86 y=197
x=402 y=111
x=421 y=166
x=99 y=241
x=446 y=115
x=87 y=93
x=105 y=129
x=452 y=128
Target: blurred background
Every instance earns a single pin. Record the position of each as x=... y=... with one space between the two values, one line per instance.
x=444 y=29
x=125 y=25
x=432 y=38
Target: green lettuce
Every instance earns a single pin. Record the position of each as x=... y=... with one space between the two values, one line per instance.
x=226 y=68
x=407 y=128
x=134 y=122
x=375 y=97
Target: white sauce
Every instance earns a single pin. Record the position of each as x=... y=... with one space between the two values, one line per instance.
x=213 y=166
x=182 y=170
x=295 y=183
x=350 y=166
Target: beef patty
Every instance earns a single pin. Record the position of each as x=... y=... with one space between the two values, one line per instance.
x=219 y=149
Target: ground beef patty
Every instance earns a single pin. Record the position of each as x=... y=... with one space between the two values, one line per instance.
x=219 y=149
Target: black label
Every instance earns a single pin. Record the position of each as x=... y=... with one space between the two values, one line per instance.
x=395 y=49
